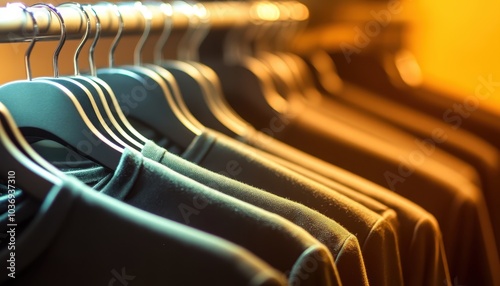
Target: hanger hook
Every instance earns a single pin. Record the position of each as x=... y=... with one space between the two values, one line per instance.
x=62 y=39
x=111 y=55
x=27 y=54
x=167 y=10
x=188 y=11
x=199 y=35
x=147 y=15
x=280 y=29
x=85 y=37
x=93 y=69
x=297 y=21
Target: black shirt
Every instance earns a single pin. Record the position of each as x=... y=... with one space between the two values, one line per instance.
x=80 y=237
x=155 y=188
x=420 y=240
x=376 y=236
x=457 y=203
x=343 y=245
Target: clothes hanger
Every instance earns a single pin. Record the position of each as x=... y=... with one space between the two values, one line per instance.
x=191 y=83
x=293 y=77
x=112 y=108
x=302 y=73
x=144 y=96
x=217 y=102
x=324 y=72
x=329 y=67
x=19 y=142
x=18 y=171
x=246 y=83
x=261 y=48
x=304 y=77
x=82 y=88
x=196 y=90
x=341 y=112
x=11 y=129
x=175 y=97
x=96 y=107
x=47 y=110
x=97 y=98
x=263 y=51
x=167 y=10
x=22 y=145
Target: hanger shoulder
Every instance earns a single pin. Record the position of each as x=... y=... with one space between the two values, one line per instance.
x=247 y=88
x=47 y=110
x=114 y=109
x=17 y=170
x=196 y=95
x=142 y=96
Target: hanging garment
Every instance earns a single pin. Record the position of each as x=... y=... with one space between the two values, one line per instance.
x=419 y=229
x=105 y=240
x=172 y=186
x=374 y=231
x=342 y=244
x=383 y=163
x=436 y=133
x=159 y=190
x=419 y=237
x=384 y=167
x=217 y=153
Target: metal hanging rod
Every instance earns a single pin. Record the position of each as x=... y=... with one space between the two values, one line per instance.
x=17 y=26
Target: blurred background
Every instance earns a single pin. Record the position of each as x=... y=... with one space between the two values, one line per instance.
x=454 y=42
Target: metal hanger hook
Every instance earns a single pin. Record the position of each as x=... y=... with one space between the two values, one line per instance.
x=199 y=34
x=27 y=54
x=111 y=55
x=148 y=17
x=297 y=21
x=188 y=10
x=168 y=13
x=62 y=39
x=198 y=27
x=85 y=37
x=93 y=68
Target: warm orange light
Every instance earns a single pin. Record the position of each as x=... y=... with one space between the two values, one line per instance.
x=408 y=68
x=265 y=11
x=456 y=42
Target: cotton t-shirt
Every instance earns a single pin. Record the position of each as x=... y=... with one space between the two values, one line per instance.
x=157 y=189
x=470 y=129
x=484 y=156
x=376 y=237
x=408 y=174
x=343 y=245
x=80 y=237
x=384 y=164
x=420 y=240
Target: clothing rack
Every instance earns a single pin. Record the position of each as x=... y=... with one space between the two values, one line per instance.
x=16 y=25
